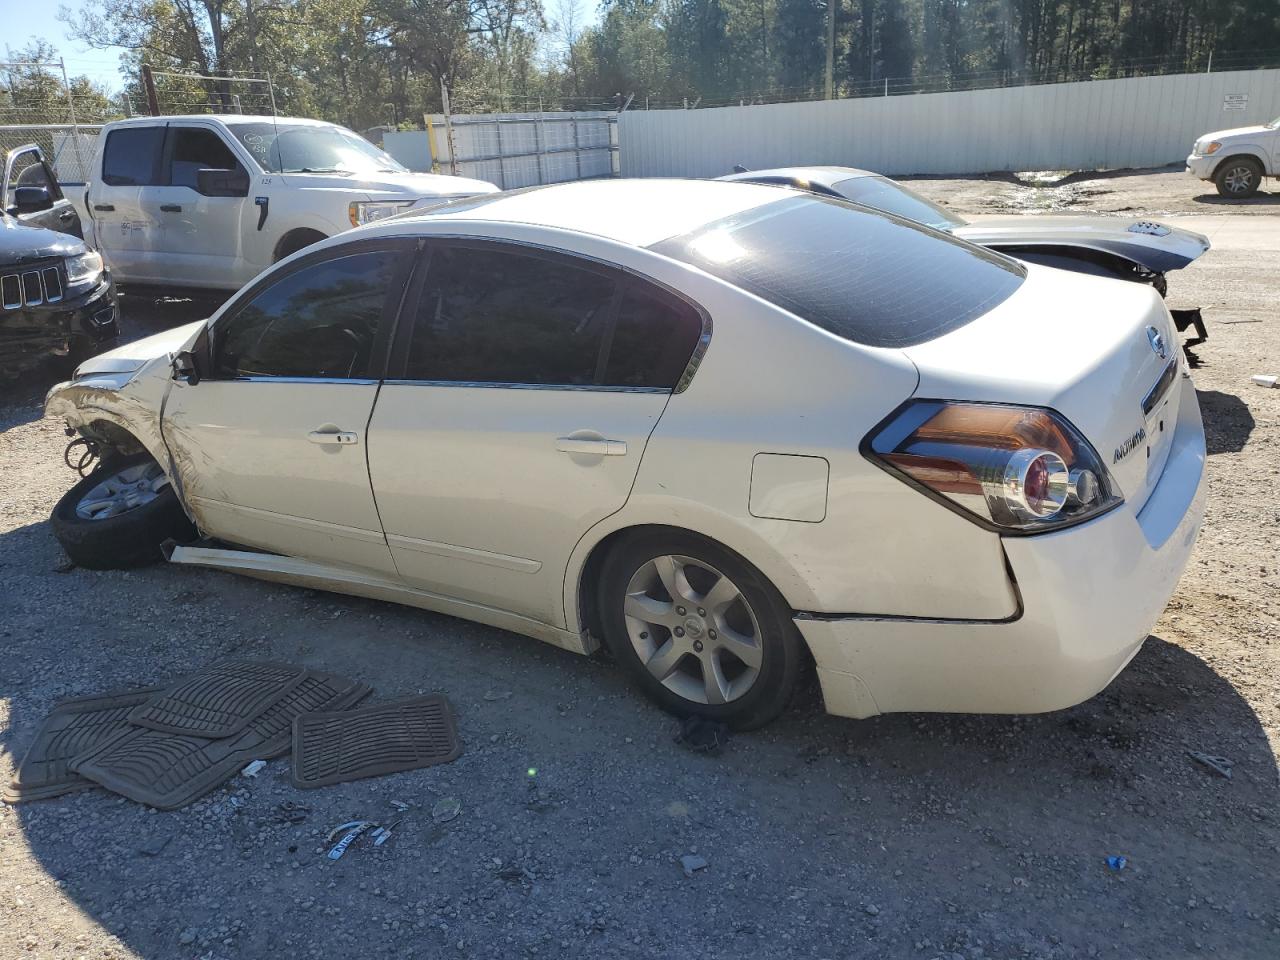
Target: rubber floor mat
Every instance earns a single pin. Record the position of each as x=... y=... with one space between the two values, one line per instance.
x=219 y=700
x=332 y=747
x=167 y=771
x=72 y=727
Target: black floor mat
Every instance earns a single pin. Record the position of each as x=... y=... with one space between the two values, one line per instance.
x=385 y=738
x=219 y=700
x=73 y=727
x=167 y=771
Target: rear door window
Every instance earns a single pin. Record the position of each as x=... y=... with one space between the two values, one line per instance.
x=193 y=149
x=869 y=277
x=654 y=335
x=131 y=157
x=497 y=315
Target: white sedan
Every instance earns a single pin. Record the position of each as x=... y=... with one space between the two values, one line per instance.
x=723 y=428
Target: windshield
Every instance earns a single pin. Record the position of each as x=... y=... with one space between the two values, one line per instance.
x=1273 y=125
x=295 y=148
x=869 y=277
x=891 y=197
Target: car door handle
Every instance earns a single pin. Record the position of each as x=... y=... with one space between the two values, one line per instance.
x=596 y=448
x=339 y=437
x=104 y=207
x=66 y=214
x=170 y=208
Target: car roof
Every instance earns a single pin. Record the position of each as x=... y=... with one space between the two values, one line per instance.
x=227 y=119
x=823 y=175
x=635 y=212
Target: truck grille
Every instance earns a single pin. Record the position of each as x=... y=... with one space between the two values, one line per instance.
x=30 y=288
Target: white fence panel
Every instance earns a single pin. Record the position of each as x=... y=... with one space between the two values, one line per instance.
x=513 y=149
x=1101 y=124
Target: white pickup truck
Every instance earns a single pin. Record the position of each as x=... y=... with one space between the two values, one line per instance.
x=209 y=201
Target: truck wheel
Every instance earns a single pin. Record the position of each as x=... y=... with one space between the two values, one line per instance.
x=118 y=516
x=296 y=240
x=1238 y=178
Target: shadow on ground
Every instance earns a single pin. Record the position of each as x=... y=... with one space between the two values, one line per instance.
x=1227 y=421
x=984 y=835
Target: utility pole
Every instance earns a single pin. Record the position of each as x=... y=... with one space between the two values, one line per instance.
x=149 y=84
x=831 y=48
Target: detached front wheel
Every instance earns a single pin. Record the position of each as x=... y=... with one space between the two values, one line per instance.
x=119 y=515
x=701 y=630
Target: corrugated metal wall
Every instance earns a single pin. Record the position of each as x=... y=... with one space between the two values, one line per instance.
x=515 y=149
x=1103 y=124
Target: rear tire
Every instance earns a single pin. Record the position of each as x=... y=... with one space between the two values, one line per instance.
x=1238 y=178
x=700 y=630
x=119 y=515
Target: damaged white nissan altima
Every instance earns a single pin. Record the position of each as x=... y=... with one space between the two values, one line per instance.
x=722 y=428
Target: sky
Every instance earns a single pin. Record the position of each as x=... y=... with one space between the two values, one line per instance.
x=24 y=20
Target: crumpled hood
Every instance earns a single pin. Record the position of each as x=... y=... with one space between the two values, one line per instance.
x=394 y=186
x=1256 y=130
x=20 y=242
x=134 y=356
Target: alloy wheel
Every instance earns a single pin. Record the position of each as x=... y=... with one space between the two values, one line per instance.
x=124 y=490
x=693 y=629
x=1239 y=179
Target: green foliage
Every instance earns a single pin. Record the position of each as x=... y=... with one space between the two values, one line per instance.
x=368 y=63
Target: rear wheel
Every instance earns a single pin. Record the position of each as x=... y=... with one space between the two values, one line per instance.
x=119 y=515
x=1238 y=177
x=700 y=630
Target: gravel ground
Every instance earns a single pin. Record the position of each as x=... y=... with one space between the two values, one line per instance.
x=904 y=836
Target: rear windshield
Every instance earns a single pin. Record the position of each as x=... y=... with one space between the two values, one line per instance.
x=891 y=197
x=866 y=276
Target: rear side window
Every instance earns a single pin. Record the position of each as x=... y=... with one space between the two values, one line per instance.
x=653 y=337
x=498 y=316
x=868 y=277
x=195 y=149
x=131 y=157
x=318 y=321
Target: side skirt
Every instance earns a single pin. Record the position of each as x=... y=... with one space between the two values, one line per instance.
x=305 y=573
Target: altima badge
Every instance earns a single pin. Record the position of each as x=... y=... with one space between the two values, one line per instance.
x=1156 y=339
x=1131 y=444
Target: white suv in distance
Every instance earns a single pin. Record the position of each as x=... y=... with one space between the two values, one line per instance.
x=210 y=201
x=1236 y=160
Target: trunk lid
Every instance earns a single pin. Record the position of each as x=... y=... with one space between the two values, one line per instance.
x=1086 y=347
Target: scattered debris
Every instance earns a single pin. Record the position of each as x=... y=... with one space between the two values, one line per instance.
x=1117 y=863
x=254 y=768
x=1219 y=765
x=691 y=863
x=702 y=735
x=290 y=812
x=497 y=695
x=152 y=846
x=871 y=910
x=1266 y=380
x=187 y=936
x=351 y=832
x=400 y=805
x=446 y=809
x=65 y=565
x=382 y=834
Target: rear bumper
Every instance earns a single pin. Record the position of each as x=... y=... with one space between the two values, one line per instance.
x=1201 y=167
x=1090 y=595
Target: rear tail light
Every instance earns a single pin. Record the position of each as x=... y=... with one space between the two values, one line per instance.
x=1016 y=469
